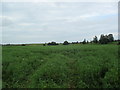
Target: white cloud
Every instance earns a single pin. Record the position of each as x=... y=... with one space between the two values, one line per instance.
x=6 y=17
x=42 y=22
x=6 y=21
x=81 y=17
x=59 y=1
x=26 y=24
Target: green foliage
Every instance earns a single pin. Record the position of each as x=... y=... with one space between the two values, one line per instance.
x=52 y=43
x=106 y=39
x=84 y=42
x=65 y=43
x=95 y=39
x=72 y=66
x=110 y=38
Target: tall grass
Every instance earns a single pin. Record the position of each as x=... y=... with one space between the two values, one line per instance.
x=70 y=66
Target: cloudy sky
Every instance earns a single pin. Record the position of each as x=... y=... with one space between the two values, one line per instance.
x=57 y=21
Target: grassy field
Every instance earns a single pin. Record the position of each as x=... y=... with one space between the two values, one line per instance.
x=69 y=66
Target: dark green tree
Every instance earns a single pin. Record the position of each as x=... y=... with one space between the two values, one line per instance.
x=84 y=42
x=87 y=41
x=65 y=43
x=103 y=39
x=53 y=43
x=95 y=39
x=110 y=38
x=119 y=43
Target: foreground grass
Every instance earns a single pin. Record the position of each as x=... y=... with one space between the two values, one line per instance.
x=71 y=66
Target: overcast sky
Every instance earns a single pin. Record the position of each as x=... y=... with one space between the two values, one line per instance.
x=57 y=21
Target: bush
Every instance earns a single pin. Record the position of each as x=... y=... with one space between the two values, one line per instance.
x=53 y=43
x=65 y=43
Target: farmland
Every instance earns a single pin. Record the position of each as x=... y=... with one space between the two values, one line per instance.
x=62 y=66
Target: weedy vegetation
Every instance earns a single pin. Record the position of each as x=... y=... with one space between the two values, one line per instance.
x=60 y=66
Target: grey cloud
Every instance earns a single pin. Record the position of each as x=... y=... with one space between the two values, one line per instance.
x=43 y=22
x=6 y=21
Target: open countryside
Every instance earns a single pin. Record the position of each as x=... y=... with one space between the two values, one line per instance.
x=66 y=44
x=79 y=65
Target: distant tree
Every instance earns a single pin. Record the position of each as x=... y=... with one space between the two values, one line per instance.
x=106 y=39
x=84 y=42
x=44 y=44
x=110 y=38
x=23 y=45
x=95 y=39
x=65 y=43
x=80 y=42
x=52 y=43
x=7 y=44
x=87 y=41
x=75 y=42
x=91 y=41
x=103 y=39
x=118 y=43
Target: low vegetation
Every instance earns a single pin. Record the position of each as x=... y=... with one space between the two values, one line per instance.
x=61 y=66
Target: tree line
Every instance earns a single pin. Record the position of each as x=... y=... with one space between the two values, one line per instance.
x=104 y=39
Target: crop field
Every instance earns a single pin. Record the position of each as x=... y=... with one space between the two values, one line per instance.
x=62 y=66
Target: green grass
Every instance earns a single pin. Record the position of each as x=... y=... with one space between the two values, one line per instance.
x=70 y=66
